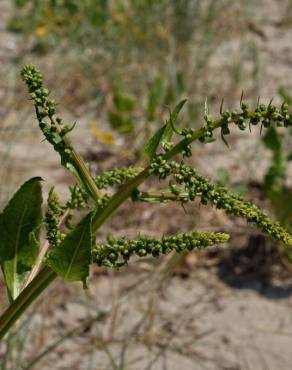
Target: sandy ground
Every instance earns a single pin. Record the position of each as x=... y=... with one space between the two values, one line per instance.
x=196 y=317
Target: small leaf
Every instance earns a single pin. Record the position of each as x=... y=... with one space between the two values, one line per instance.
x=164 y=133
x=223 y=139
x=154 y=141
x=71 y=259
x=174 y=115
x=167 y=134
x=19 y=230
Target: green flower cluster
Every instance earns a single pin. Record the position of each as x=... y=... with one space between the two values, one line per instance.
x=52 y=219
x=265 y=115
x=117 y=176
x=195 y=184
x=53 y=128
x=117 y=252
x=102 y=202
x=79 y=198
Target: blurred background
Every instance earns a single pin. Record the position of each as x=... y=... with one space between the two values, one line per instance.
x=114 y=67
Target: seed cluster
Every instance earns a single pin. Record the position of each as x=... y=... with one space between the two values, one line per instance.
x=117 y=252
x=117 y=176
x=265 y=115
x=79 y=198
x=102 y=202
x=53 y=128
x=52 y=219
x=195 y=184
x=186 y=180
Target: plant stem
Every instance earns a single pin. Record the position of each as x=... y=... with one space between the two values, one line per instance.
x=25 y=298
x=85 y=176
x=127 y=189
x=149 y=196
x=46 y=275
x=42 y=254
x=79 y=165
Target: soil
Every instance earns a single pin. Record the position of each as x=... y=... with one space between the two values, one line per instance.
x=228 y=308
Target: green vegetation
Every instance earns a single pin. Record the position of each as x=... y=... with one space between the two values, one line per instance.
x=146 y=54
x=70 y=247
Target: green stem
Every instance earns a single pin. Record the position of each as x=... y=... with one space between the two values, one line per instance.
x=127 y=189
x=78 y=164
x=25 y=298
x=46 y=275
x=153 y=196
x=85 y=176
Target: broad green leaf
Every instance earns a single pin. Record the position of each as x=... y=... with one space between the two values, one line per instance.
x=19 y=234
x=71 y=259
x=25 y=260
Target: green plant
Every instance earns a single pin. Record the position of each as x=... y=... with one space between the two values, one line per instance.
x=52 y=20
x=275 y=181
x=157 y=47
x=70 y=247
x=125 y=118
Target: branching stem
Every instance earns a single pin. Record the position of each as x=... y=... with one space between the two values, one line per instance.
x=46 y=275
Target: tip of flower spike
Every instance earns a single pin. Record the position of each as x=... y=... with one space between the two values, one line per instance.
x=287 y=239
x=28 y=71
x=31 y=76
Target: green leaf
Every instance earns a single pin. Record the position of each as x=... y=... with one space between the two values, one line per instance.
x=19 y=230
x=177 y=110
x=153 y=143
x=164 y=133
x=174 y=115
x=71 y=259
x=15 y=271
x=167 y=134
